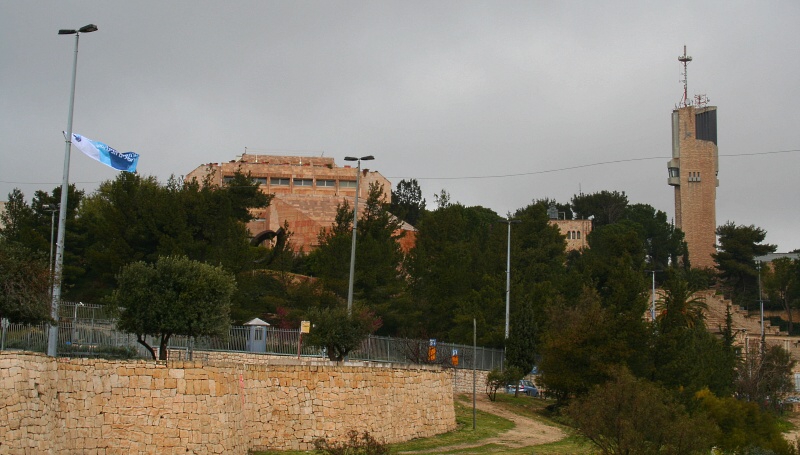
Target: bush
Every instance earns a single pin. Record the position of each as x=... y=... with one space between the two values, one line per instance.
x=494 y=380
x=355 y=445
x=338 y=332
x=744 y=427
x=103 y=352
x=117 y=352
x=612 y=417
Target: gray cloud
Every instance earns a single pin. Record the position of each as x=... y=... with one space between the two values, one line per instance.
x=434 y=90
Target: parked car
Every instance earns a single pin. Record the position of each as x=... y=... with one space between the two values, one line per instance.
x=525 y=387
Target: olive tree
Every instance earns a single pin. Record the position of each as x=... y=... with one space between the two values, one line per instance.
x=338 y=332
x=174 y=296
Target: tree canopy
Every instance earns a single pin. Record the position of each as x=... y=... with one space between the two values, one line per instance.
x=407 y=202
x=738 y=248
x=338 y=332
x=578 y=314
x=781 y=279
x=629 y=415
x=174 y=296
x=24 y=284
x=134 y=218
x=379 y=281
x=605 y=207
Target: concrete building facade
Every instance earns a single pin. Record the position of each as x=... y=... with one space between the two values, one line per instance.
x=693 y=172
x=307 y=191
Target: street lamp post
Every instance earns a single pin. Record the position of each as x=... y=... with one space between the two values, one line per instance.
x=509 y=221
x=653 y=304
x=52 y=208
x=52 y=335
x=761 y=305
x=355 y=225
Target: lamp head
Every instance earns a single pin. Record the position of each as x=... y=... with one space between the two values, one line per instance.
x=350 y=158
x=85 y=29
x=367 y=158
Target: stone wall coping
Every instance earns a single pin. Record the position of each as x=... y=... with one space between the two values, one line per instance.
x=266 y=361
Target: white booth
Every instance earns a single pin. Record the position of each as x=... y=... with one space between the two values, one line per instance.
x=257 y=335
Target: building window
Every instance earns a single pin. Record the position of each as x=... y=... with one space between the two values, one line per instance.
x=278 y=181
x=579 y=235
x=303 y=182
x=260 y=180
x=347 y=183
x=326 y=183
x=227 y=179
x=674 y=172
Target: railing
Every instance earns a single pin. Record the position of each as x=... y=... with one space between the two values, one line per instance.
x=82 y=335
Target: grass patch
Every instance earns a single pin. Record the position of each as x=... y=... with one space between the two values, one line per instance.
x=488 y=426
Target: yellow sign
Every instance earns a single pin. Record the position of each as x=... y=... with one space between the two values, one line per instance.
x=305 y=326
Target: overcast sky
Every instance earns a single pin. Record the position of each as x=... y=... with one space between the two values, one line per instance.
x=498 y=103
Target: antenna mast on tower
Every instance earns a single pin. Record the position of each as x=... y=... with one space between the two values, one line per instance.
x=685 y=59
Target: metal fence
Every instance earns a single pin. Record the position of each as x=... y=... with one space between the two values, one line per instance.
x=89 y=331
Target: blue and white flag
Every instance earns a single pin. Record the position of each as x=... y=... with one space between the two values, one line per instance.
x=107 y=155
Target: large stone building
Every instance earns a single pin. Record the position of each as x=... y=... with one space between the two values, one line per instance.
x=693 y=173
x=307 y=191
x=575 y=231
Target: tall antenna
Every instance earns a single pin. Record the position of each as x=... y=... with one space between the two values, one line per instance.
x=685 y=59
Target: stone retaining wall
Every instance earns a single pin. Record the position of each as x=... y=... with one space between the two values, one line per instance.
x=462 y=381
x=92 y=406
x=461 y=378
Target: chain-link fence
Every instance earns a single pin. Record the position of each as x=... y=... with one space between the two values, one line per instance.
x=89 y=331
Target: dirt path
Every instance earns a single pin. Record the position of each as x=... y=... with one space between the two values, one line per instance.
x=526 y=432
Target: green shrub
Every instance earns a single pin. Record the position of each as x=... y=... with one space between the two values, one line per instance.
x=355 y=445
